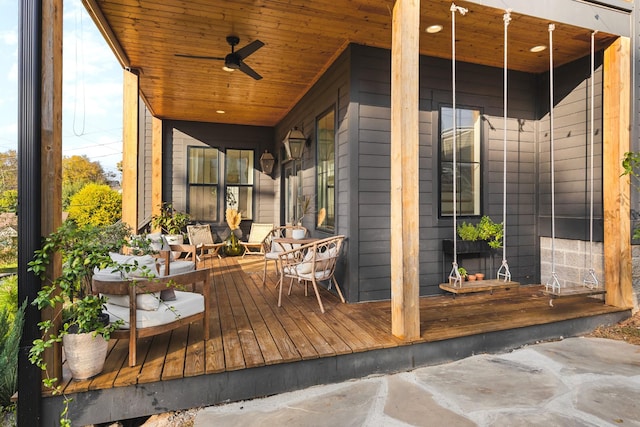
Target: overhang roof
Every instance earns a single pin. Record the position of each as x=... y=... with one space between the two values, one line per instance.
x=302 y=38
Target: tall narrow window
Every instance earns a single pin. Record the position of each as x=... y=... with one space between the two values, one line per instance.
x=202 y=171
x=326 y=168
x=467 y=160
x=239 y=181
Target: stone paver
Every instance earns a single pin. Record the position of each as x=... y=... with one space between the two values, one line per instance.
x=573 y=382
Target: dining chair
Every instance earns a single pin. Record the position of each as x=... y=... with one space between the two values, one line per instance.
x=272 y=249
x=202 y=238
x=311 y=263
x=255 y=241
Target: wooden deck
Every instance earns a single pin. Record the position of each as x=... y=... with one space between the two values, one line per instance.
x=249 y=331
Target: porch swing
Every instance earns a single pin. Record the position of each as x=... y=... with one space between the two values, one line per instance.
x=590 y=284
x=455 y=284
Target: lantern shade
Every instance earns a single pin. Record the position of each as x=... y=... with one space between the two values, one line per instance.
x=294 y=143
x=267 y=161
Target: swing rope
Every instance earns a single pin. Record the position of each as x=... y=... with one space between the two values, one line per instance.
x=590 y=280
x=554 y=284
x=455 y=278
x=503 y=271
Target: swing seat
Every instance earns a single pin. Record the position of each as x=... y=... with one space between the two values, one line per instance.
x=478 y=286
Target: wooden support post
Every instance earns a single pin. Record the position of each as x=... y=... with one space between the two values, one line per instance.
x=405 y=233
x=616 y=141
x=156 y=166
x=51 y=153
x=130 y=150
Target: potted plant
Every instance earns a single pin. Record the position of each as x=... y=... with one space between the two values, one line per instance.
x=476 y=238
x=172 y=223
x=76 y=309
x=463 y=273
x=232 y=244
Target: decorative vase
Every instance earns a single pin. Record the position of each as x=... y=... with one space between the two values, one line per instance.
x=85 y=354
x=232 y=246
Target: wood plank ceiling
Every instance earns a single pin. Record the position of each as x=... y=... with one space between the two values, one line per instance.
x=302 y=38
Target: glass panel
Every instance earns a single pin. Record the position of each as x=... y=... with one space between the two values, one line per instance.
x=467 y=159
x=240 y=167
x=203 y=165
x=203 y=203
x=325 y=138
x=240 y=198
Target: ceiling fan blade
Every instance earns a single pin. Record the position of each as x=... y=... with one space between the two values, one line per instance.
x=249 y=71
x=249 y=49
x=183 y=55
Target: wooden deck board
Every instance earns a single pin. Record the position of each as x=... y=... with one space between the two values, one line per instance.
x=174 y=360
x=249 y=329
x=248 y=342
x=194 y=362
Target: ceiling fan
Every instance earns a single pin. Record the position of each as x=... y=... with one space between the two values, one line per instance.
x=235 y=59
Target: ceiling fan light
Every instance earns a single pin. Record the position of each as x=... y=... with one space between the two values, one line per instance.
x=227 y=69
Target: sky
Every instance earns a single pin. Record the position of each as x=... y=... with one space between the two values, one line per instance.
x=92 y=87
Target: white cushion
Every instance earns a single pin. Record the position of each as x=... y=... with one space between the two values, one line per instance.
x=306 y=266
x=186 y=304
x=148 y=301
x=146 y=266
x=178 y=267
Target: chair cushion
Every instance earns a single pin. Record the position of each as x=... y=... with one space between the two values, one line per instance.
x=148 y=301
x=186 y=304
x=178 y=267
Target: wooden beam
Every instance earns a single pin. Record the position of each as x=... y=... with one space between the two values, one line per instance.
x=156 y=166
x=616 y=141
x=51 y=154
x=130 y=114
x=405 y=233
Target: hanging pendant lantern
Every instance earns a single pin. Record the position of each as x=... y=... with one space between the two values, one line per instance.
x=294 y=143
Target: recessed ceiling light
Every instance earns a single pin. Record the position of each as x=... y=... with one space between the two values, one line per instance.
x=432 y=29
x=220 y=111
x=538 y=48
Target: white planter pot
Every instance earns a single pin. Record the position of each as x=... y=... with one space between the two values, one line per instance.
x=175 y=239
x=85 y=354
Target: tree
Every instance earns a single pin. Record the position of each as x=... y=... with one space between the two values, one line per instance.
x=8 y=171
x=95 y=204
x=77 y=171
x=9 y=201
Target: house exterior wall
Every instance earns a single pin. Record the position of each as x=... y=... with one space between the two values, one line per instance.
x=178 y=136
x=478 y=87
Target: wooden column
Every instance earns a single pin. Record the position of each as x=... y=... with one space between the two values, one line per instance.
x=405 y=233
x=616 y=141
x=130 y=150
x=156 y=166
x=51 y=152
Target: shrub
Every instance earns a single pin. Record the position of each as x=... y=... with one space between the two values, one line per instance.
x=9 y=295
x=10 y=334
x=96 y=204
